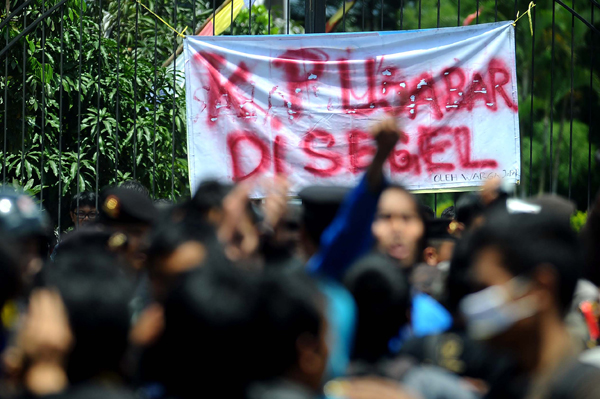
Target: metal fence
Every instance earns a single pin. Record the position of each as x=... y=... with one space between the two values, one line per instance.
x=90 y=93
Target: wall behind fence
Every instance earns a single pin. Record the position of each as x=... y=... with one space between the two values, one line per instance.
x=89 y=96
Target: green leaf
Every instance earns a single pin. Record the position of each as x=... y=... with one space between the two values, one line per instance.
x=73 y=170
x=52 y=165
x=66 y=86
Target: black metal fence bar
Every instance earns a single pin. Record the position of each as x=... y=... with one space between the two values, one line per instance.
x=531 y=116
x=591 y=121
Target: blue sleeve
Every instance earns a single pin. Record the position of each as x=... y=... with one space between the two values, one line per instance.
x=349 y=235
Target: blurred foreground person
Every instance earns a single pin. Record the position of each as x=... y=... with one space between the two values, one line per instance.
x=131 y=213
x=210 y=319
x=293 y=331
x=10 y=287
x=335 y=233
x=75 y=335
x=441 y=238
x=176 y=248
x=383 y=298
x=526 y=266
x=22 y=220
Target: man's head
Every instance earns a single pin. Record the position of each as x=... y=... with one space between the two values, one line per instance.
x=382 y=295
x=96 y=294
x=449 y=213
x=83 y=209
x=469 y=210
x=440 y=241
x=210 y=319
x=399 y=226
x=131 y=213
x=176 y=248
x=294 y=330
x=527 y=267
x=136 y=186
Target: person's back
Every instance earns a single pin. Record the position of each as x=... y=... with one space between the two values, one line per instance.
x=383 y=296
x=96 y=294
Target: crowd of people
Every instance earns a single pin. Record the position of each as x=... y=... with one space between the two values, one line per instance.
x=358 y=293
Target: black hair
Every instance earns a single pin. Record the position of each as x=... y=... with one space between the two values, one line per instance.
x=425 y=210
x=382 y=295
x=210 y=195
x=86 y=198
x=210 y=319
x=290 y=306
x=526 y=241
x=135 y=186
x=168 y=236
x=448 y=213
x=96 y=293
x=468 y=208
x=96 y=237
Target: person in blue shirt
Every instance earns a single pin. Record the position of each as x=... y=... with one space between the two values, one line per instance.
x=378 y=215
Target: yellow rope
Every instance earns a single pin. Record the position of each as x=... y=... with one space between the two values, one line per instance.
x=528 y=12
x=163 y=21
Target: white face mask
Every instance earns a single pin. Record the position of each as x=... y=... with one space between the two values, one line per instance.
x=492 y=311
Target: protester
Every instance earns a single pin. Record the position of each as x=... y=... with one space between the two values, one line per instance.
x=23 y=221
x=441 y=238
x=82 y=315
x=382 y=294
x=131 y=213
x=399 y=227
x=526 y=266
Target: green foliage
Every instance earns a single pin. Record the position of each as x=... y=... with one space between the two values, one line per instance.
x=578 y=220
x=118 y=128
x=260 y=23
x=122 y=117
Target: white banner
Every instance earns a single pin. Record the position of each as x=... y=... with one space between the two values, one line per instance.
x=302 y=106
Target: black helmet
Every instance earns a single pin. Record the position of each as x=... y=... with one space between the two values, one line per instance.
x=20 y=216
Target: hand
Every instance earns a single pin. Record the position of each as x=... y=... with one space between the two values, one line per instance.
x=386 y=135
x=490 y=190
x=237 y=233
x=149 y=326
x=276 y=204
